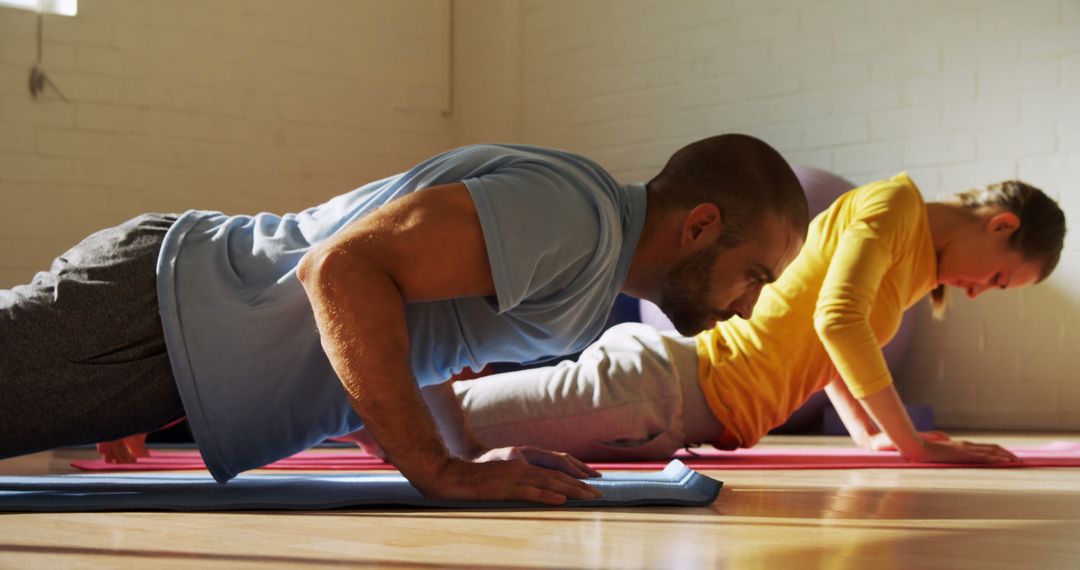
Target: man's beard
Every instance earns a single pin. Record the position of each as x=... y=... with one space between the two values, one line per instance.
x=685 y=296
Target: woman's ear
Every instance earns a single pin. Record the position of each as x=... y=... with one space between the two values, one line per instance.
x=703 y=225
x=1007 y=222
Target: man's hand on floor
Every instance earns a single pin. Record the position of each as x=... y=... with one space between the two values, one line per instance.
x=542 y=458
x=503 y=480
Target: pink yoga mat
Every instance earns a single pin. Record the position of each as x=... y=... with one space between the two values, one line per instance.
x=1055 y=454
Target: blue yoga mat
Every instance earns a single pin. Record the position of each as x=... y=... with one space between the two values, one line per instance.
x=676 y=485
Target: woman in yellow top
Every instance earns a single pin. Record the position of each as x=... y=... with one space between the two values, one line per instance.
x=876 y=251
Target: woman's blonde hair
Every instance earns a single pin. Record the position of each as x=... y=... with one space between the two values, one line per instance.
x=1039 y=238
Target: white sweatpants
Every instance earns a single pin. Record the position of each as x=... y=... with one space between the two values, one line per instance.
x=633 y=394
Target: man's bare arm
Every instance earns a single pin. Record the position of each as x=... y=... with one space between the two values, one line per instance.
x=426 y=246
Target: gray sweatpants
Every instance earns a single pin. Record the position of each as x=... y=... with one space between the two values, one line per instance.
x=82 y=354
x=633 y=394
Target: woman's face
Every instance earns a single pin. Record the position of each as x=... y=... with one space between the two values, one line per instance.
x=979 y=257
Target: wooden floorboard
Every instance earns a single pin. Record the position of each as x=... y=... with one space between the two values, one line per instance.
x=837 y=519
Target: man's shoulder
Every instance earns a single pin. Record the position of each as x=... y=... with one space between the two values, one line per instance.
x=563 y=162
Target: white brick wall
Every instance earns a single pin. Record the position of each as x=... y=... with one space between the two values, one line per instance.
x=242 y=106
x=959 y=93
x=276 y=104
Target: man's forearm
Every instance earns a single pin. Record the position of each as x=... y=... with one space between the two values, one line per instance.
x=361 y=319
x=451 y=420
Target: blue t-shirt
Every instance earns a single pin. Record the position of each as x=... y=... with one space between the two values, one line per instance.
x=241 y=335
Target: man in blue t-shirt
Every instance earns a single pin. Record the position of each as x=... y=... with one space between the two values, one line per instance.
x=277 y=332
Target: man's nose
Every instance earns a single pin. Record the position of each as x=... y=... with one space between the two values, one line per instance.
x=745 y=305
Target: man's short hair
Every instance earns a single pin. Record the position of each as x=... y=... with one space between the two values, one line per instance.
x=741 y=175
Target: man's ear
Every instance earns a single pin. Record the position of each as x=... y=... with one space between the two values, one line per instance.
x=1007 y=222
x=702 y=226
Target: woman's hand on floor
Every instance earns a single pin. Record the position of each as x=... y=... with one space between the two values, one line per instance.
x=541 y=458
x=124 y=450
x=881 y=442
x=964 y=452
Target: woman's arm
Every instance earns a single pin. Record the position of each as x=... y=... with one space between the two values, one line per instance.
x=888 y=411
x=849 y=292
x=859 y=425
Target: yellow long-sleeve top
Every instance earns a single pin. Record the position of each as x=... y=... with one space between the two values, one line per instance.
x=867 y=259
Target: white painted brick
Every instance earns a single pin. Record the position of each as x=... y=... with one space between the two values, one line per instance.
x=947 y=398
x=797 y=108
x=1013 y=401
x=915 y=60
x=996 y=111
x=111 y=118
x=869 y=97
x=30 y=255
x=64 y=29
x=23 y=168
x=1020 y=75
x=860 y=177
x=1050 y=41
x=1068 y=404
x=967 y=52
x=1049 y=301
x=13 y=79
x=1070 y=69
x=954 y=333
x=766 y=25
x=743 y=57
x=947 y=86
x=1050 y=105
x=878 y=156
x=738 y=116
x=977 y=366
x=942 y=149
x=868 y=38
x=1046 y=367
x=771 y=82
x=271 y=105
x=838 y=71
x=80 y=87
x=962 y=177
x=928 y=180
x=910 y=121
x=836 y=131
x=1052 y=173
x=1030 y=335
x=1070 y=13
x=950 y=24
x=23 y=110
x=1071 y=327
x=17 y=139
x=920 y=368
x=17 y=24
x=998 y=16
x=995 y=308
x=1069 y=136
x=802 y=49
x=784 y=138
x=833 y=17
x=1014 y=142
x=822 y=159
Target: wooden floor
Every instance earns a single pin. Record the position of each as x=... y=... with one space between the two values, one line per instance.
x=858 y=519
